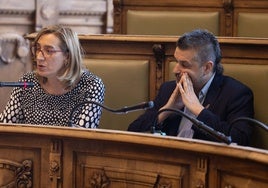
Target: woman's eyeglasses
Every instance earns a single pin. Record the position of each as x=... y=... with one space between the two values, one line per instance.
x=46 y=51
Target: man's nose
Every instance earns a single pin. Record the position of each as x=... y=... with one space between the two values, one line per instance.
x=177 y=68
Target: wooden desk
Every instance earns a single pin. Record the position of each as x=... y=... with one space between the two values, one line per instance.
x=37 y=156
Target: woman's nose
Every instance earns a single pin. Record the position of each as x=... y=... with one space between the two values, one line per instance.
x=40 y=55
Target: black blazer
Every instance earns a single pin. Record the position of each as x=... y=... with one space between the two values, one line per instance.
x=226 y=100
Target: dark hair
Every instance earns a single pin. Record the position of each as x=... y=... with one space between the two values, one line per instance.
x=205 y=44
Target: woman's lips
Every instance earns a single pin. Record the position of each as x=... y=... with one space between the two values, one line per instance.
x=41 y=67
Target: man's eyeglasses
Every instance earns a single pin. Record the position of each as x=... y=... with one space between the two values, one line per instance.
x=46 y=51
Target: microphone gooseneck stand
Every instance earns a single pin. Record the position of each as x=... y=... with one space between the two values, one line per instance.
x=200 y=125
x=141 y=106
x=17 y=84
x=260 y=124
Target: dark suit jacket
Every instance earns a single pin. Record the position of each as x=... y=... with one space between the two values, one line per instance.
x=226 y=100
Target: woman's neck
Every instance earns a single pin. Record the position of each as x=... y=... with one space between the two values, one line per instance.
x=54 y=87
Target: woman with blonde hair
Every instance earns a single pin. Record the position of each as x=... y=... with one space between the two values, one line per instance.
x=60 y=84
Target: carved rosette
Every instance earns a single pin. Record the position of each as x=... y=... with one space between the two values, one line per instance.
x=48 y=11
x=55 y=162
x=99 y=180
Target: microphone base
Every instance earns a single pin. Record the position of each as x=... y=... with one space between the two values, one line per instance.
x=160 y=133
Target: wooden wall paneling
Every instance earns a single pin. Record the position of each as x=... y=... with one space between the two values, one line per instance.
x=122 y=7
x=229 y=12
x=250 y=18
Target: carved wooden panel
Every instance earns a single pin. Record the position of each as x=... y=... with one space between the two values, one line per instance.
x=19 y=165
x=234 y=174
x=113 y=167
x=14 y=174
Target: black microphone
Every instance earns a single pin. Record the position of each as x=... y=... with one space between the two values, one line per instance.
x=141 y=106
x=260 y=124
x=199 y=124
x=17 y=84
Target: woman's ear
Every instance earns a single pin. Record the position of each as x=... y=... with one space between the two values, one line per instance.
x=67 y=58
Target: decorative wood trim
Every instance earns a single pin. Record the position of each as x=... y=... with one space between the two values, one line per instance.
x=229 y=14
x=159 y=54
x=117 y=16
x=201 y=172
x=55 y=163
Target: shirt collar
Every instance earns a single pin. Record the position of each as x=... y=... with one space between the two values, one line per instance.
x=205 y=88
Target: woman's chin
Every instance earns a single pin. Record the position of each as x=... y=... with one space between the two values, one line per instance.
x=41 y=73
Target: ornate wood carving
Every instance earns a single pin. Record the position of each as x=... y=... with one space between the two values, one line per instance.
x=159 y=54
x=162 y=182
x=23 y=175
x=99 y=179
x=117 y=16
x=55 y=163
x=228 y=10
x=201 y=173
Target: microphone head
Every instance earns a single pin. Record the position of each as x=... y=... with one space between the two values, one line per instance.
x=29 y=84
x=150 y=104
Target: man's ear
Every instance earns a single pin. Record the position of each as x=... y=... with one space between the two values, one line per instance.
x=208 y=67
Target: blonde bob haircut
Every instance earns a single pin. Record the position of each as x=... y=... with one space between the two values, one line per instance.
x=70 y=45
